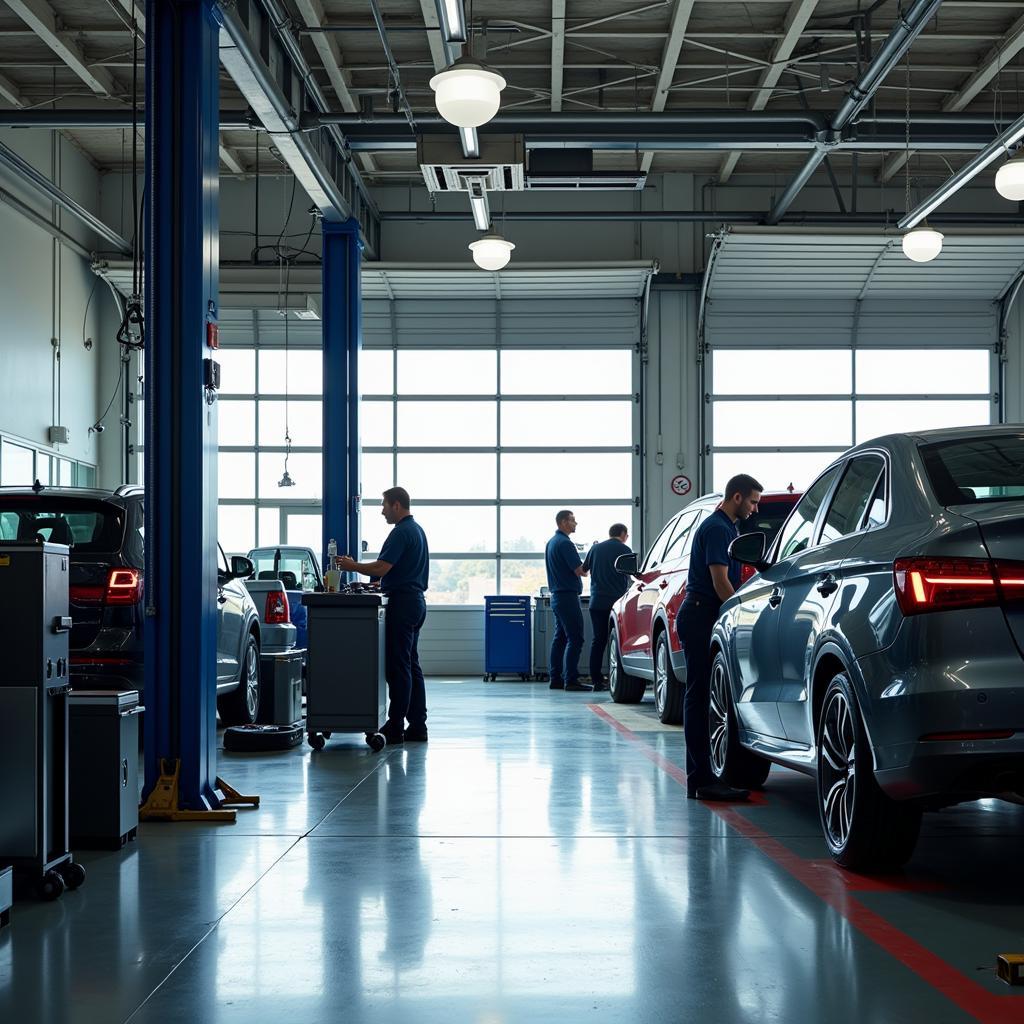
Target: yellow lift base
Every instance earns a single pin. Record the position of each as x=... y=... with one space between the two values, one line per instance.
x=163 y=803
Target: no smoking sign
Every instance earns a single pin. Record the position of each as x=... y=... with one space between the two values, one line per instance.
x=681 y=486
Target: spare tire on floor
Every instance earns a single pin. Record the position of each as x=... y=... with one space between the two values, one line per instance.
x=249 y=738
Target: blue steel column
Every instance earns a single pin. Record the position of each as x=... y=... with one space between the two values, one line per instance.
x=342 y=340
x=181 y=282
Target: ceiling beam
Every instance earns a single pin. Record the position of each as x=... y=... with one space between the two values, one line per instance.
x=995 y=60
x=10 y=92
x=669 y=60
x=437 y=45
x=797 y=16
x=40 y=17
x=557 y=52
x=230 y=159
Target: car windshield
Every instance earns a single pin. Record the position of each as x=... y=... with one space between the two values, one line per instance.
x=768 y=519
x=976 y=469
x=88 y=528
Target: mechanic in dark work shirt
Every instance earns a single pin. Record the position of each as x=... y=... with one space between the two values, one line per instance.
x=403 y=567
x=564 y=569
x=713 y=577
x=606 y=587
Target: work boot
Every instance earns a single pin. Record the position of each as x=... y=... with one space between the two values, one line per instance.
x=719 y=792
x=579 y=687
x=416 y=734
x=393 y=733
x=556 y=684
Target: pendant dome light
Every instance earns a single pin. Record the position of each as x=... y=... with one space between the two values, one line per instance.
x=922 y=244
x=491 y=251
x=1010 y=178
x=468 y=93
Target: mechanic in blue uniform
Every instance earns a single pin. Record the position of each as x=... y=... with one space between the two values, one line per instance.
x=564 y=568
x=607 y=585
x=713 y=577
x=403 y=566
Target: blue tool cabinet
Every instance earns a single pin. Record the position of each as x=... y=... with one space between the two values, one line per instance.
x=507 y=636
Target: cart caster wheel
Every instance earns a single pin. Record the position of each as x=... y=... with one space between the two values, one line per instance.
x=316 y=741
x=73 y=875
x=50 y=886
x=376 y=742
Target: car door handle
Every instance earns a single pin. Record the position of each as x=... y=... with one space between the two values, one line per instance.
x=775 y=599
x=221 y=599
x=663 y=584
x=826 y=585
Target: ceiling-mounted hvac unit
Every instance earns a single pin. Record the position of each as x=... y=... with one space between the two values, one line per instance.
x=560 y=170
x=500 y=165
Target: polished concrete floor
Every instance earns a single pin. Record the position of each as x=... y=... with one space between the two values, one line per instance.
x=536 y=861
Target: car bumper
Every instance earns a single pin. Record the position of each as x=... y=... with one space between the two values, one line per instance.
x=99 y=672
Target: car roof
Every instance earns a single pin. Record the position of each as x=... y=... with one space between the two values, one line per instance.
x=69 y=492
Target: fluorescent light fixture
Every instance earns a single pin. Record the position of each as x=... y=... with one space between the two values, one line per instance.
x=996 y=148
x=922 y=244
x=452 y=16
x=1010 y=178
x=468 y=93
x=470 y=143
x=492 y=252
x=478 y=203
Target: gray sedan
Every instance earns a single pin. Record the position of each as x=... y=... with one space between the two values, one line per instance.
x=879 y=647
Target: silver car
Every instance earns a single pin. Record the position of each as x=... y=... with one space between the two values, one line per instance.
x=879 y=647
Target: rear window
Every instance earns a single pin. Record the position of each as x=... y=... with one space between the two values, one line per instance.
x=86 y=528
x=768 y=518
x=977 y=469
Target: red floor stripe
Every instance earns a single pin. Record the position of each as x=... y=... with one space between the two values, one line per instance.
x=832 y=888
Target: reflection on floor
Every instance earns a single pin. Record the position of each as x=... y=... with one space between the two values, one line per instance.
x=531 y=863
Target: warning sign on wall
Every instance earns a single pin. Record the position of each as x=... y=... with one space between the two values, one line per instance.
x=681 y=485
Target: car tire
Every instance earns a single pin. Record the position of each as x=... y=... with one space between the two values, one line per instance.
x=864 y=829
x=251 y=738
x=668 y=691
x=242 y=705
x=623 y=688
x=731 y=762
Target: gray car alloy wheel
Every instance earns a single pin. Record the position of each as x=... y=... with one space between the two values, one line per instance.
x=660 y=677
x=838 y=768
x=252 y=680
x=718 y=719
x=613 y=667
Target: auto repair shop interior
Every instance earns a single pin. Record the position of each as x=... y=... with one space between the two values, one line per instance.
x=264 y=261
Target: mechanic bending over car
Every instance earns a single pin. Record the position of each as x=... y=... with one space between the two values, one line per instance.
x=713 y=578
x=403 y=566
x=606 y=587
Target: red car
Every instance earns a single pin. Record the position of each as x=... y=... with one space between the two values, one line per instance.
x=645 y=647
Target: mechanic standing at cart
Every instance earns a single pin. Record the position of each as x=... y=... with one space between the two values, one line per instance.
x=403 y=566
x=564 y=569
x=607 y=585
x=713 y=578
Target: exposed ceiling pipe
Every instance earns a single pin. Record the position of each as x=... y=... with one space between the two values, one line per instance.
x=899 y=40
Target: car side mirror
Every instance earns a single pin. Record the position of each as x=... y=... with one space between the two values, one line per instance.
x=627 y=564
x=241 y=567
x=748 y=549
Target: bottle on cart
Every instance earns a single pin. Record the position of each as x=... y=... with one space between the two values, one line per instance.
x=332 y=577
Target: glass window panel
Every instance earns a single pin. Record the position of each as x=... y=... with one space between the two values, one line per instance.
x=776 y=470
x=448 y=476
x=851 y=498
x=376 y=372
x=462 y=580
x=877 y=418
x=448 y=424
x=527 y=528
x=915 y=371
x=305 y=371
x=237 y=370
x=782 y=372
x=798 y=532
x=567 y=371
x=65 y=471
x=16 y=464
x=305 y=423
x=236 y=475
x=447 y=372
x=602 y=475
x=782 y=423
x=270 y=526
x=375 y=527
x=523 y=575
x=305 y=529
x=236 y=423
x=377 y=474
x=86 y=476
x=236 y=528
x=452 y=528
x=305 y=469
x=566 y=424
x=376 y=424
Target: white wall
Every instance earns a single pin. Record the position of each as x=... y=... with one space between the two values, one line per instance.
x=44 y=290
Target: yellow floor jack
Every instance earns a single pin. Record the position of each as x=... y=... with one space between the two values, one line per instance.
x=163 y=803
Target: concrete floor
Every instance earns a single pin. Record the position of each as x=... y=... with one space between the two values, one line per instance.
x=536 y=861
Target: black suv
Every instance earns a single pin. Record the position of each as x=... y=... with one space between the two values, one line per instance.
x=104 y=530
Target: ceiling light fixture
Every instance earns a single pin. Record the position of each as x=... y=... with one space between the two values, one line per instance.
x=491 y=252
x=922 y=244
x=1010 y=178
x=452 y=16
x=468 y=93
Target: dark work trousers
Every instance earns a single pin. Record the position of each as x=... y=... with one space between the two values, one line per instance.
x=403 y=619
x=696 y=620
x=567 y=642
x=599 y=620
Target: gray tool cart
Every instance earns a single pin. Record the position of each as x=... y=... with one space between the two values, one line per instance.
x=345 y=686
x=544 y=633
